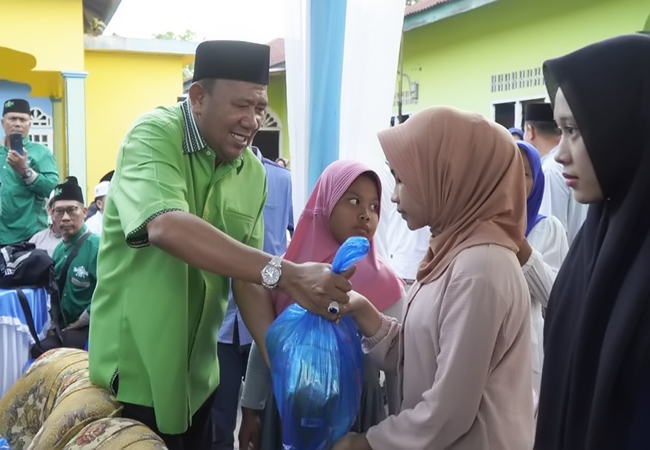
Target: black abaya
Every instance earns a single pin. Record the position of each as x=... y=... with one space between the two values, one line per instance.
x=597 y=331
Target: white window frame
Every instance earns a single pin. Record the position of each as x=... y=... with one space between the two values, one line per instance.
x=276 y=119
x=277 y=128
x=519 y=113
x=46 y=132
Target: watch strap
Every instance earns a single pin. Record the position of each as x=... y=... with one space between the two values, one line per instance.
x=276 y=262
x=29 y=176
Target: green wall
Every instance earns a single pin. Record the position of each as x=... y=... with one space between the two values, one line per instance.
x=453 y=59
x=277 y=93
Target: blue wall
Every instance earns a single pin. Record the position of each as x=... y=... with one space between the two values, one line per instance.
x=10 y=89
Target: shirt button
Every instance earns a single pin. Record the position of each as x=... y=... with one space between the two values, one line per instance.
x=208 y=153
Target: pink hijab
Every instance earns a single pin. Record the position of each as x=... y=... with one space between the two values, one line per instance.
x=313 y=240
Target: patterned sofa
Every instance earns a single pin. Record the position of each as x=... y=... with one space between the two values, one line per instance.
x=53 y=406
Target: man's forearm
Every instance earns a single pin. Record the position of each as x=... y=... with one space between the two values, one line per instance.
x=199 y=244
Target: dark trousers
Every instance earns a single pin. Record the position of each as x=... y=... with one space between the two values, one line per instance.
x=75 y=338
x=197 y=437
x=233 y=359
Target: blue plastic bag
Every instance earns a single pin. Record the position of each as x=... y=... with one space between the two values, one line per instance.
x=317 y=368
x=4 y=445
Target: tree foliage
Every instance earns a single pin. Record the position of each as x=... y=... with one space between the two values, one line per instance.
x=188 y=35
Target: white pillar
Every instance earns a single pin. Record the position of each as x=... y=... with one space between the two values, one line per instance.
x=372 y=46
x=58 y=135
x=75 y=126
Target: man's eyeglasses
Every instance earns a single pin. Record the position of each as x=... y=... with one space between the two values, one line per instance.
x=70 y=210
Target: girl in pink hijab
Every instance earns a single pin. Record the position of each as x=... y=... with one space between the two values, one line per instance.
x=345 y=202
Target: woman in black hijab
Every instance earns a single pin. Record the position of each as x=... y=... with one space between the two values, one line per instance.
x=595 y=392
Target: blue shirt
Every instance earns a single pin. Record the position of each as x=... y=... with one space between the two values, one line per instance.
x=278 y=218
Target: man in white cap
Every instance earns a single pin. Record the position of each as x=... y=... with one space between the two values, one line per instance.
x=94 y=224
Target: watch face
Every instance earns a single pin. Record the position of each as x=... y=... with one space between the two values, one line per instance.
x=271 y=275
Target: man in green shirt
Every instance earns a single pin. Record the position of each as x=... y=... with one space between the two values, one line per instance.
x=182 y=216
x=27 y=179
x=75 y=264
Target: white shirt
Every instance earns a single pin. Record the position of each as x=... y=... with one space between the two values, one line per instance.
x=558 y=199
x=94 y=224
x=46 y=240
x=550 y=247
x=549 y=238
x=401 y=247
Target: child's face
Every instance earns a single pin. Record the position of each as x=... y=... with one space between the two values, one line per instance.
x=357 y=211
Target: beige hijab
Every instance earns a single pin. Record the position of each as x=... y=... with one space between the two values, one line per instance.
x=467 y=175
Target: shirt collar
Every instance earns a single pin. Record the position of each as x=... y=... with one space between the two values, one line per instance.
x=193 y=141
x=53 y=233
x=551 y=155
x=258 y=153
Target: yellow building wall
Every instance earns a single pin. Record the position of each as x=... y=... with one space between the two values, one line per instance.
x=277 y=93
x=43 y=38
x=50 y=30
x=453 y=60
x=119 y=88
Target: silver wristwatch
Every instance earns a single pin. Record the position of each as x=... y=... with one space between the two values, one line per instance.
x=28 y=173
x=271 y=273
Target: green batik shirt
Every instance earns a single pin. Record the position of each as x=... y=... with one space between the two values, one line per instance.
x=23 y=205
x=81 y=278
x=155 y=319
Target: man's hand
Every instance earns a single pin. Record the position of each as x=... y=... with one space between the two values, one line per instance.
x=352 y=441
x=314 y=286
x=18 y=162
x=250 y=429
x=524 y=252
x=75 y=326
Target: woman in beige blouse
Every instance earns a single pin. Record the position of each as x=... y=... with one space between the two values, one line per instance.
x=463 y=352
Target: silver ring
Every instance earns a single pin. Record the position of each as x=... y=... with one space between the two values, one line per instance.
x=334 y=308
